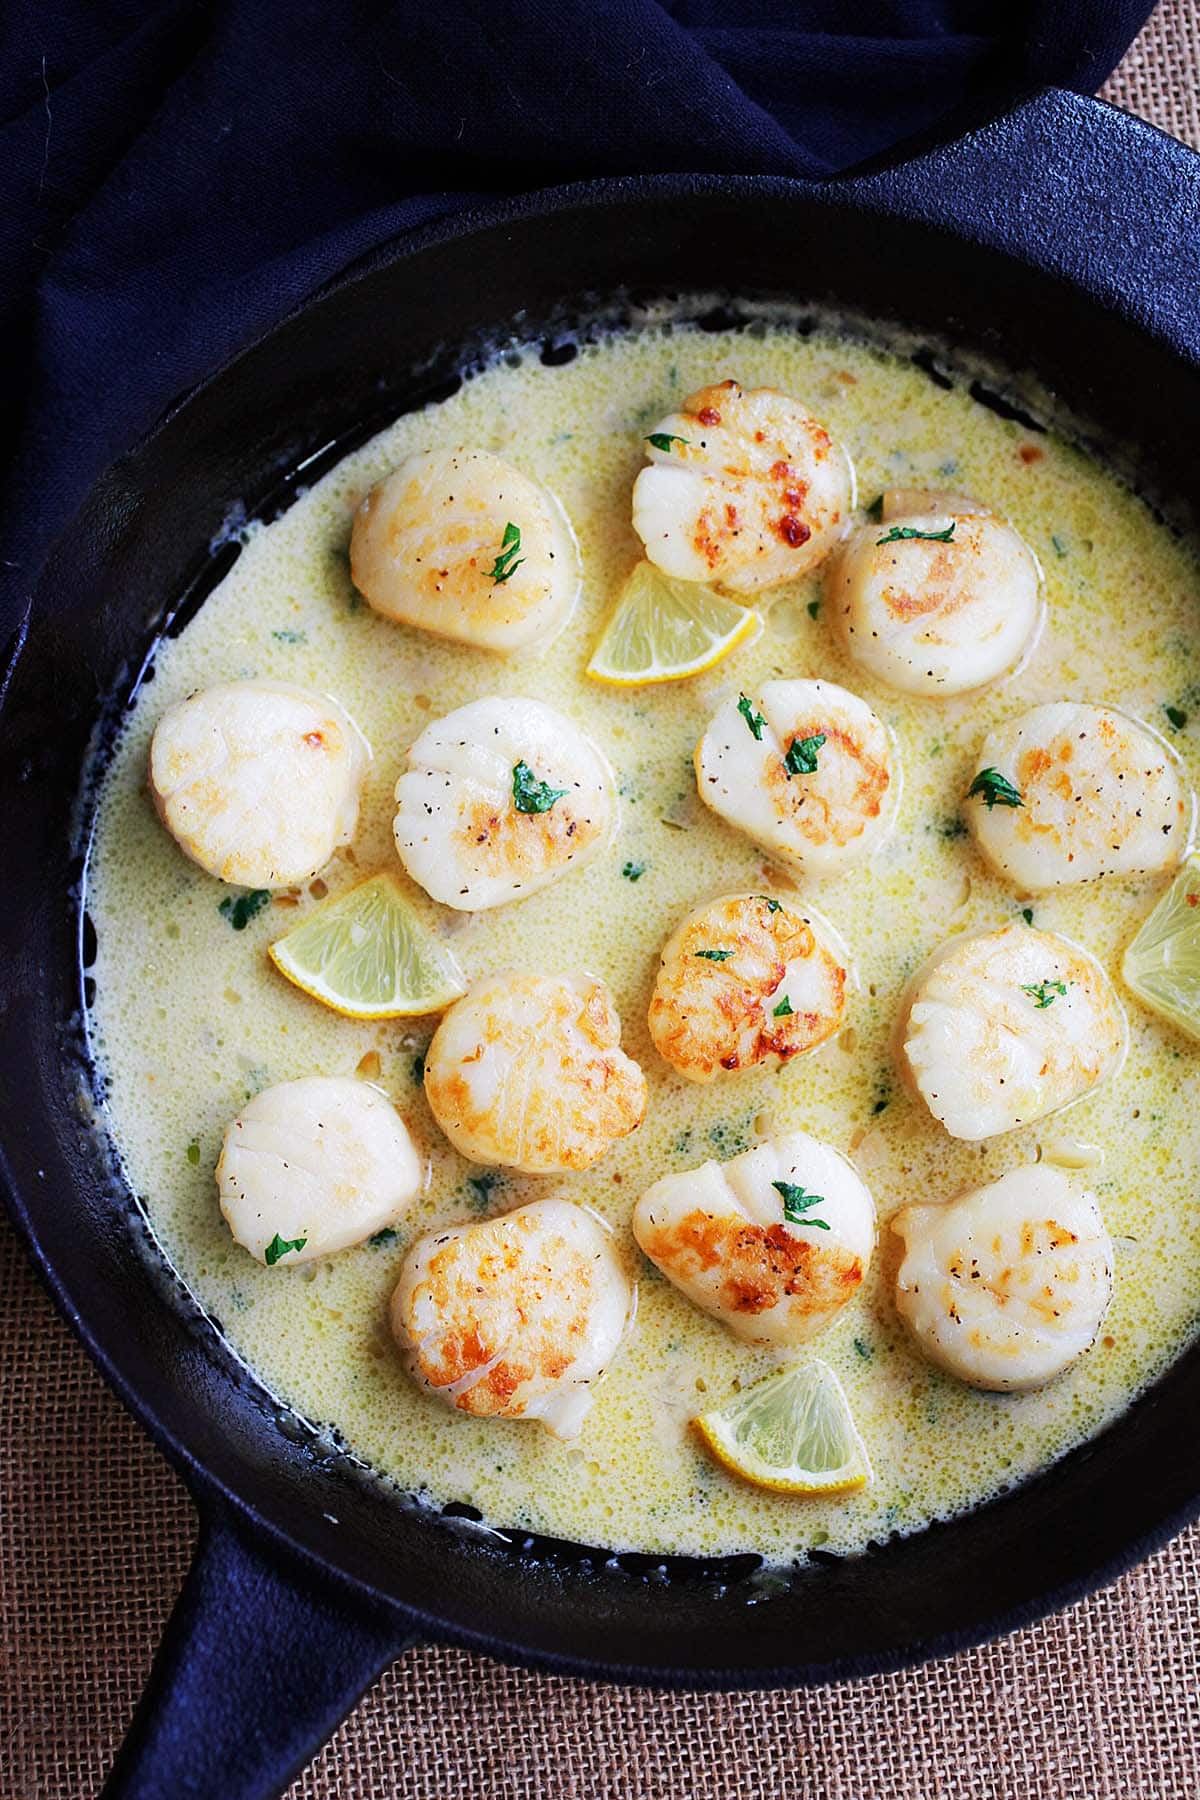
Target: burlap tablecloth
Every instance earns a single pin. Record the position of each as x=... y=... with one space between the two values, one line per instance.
x=1100 y=1703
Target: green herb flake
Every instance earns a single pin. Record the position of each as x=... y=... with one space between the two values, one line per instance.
x=772 y=906
x=863 y=1349
x=1176 y=717
x=796 y=1204
x=662 y=440
x=1043 y=993
x=783 y=1010
x=713 y=955
x=481 y=1189
x=509 y=559
x=386 y=1236
x=814 y=607
x=239 y=909
x=290 y=637
x=633 y=871
x=193 y=1154
x=279 y=1246
x=1060 y=548
x=801 y=758
x=418 y=1069
x=901 y=533
x=753 y=719
x=996 y=789
x=1027 y=914
x=531 y=795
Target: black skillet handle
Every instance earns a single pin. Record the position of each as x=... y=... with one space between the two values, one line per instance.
x=258 y=1665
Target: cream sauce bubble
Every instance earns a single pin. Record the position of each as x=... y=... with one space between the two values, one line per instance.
x=190 y=1019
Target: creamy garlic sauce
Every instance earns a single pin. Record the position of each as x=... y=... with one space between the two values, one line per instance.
x=190 y=1019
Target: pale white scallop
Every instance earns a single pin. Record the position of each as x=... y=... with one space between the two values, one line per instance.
x=527 y=1072
x=1004 y=1027
x=258 y=781
x=750 y=490
x=929 y=616
x=1008 y=1285
x=428 y=548
x=819 y=821
x=514 y=1317
x=1100 y=795
x=747 y=981
x=470 y=824
x=320 y=1163
x=722 y=1233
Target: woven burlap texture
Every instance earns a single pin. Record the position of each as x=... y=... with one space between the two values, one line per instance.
x=1100 y=1703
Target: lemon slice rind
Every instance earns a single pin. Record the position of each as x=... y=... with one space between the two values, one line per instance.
x=1162 y=963
x=666 y=630
x=365 y=954
x=792 y=1433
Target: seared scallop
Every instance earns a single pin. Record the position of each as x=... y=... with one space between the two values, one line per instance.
x=935 y=599
x=514 y=1317
x=1004 y=1027
x=527 y=1072
x=463 y=544
x=258 y=781
x=772 y=1243
x=311 y=1166
x=499 y=799
x=805 y=768
x=743 y=490
x=746 y=981
x=1007 y=1286
x=1068 y=792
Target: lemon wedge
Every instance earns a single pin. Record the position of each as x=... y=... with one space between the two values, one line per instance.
x=664 y=630
x=1162 y=964
x=792 y=1432
x=366 y=954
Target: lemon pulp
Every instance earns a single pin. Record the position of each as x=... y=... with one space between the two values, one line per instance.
x=664 y=630
x=792 y=1432
x=1162 y=964
x=366 y=954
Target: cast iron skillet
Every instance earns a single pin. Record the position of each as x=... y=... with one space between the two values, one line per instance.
x=1063 y=238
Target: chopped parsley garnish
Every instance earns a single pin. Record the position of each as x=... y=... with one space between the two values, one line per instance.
x=662 y=440
x=753 y=719
x=1043 y=993
x=241 y=908
x=783 y=1010
x=531 y=795
x=509 y=559
x=864 y=1350
x=418 y=1068
x=1176 y=717
x=1060 y=548
x=772 y=906
x=193 y=1154
x=481 y=1189
x=279 y=1246
x=995 y=788
x=801 y=758
x=1027 y=914
x=814 y=607
x=386 y=1236
x=633 y=871
x=290 y=637
x=714 y=955
x=796 y=1204
x=899 y=533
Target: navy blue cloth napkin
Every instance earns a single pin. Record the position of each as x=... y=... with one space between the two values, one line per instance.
x=176 y=176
